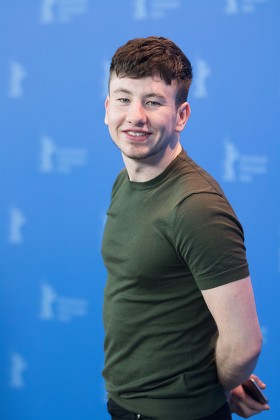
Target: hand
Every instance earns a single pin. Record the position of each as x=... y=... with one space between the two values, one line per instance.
x=242 y=404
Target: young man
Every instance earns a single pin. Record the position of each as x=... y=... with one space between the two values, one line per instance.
x=181 y=327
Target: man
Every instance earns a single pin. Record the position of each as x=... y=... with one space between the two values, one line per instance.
x=181 y=327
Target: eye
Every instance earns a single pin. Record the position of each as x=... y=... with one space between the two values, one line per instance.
x=153 y=103
x=123 y=100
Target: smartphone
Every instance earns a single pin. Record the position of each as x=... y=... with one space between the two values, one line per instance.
x=252 y=388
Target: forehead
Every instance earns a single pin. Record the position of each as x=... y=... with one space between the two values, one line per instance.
x=146 y=86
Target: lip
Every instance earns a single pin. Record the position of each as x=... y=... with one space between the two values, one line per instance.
x=141 y=135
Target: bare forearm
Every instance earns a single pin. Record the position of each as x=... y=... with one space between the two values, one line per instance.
x=239 y=336
x=234 y=364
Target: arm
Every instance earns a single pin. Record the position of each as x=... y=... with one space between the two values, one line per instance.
x=239 y=341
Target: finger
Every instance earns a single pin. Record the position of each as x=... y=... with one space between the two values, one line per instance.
x=258 y=380
x=252 y=404
x=243 y=411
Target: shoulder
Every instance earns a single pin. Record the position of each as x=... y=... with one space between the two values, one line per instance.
x=207 y=217
x=120 y=180
x=205 y=206
x=189 y=178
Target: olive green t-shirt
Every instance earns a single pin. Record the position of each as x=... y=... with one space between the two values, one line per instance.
x=165 y=240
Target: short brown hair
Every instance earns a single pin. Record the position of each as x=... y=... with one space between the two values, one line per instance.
x=143 y=57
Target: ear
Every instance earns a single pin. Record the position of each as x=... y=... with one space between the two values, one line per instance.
x=183 y=113
x=106 y=109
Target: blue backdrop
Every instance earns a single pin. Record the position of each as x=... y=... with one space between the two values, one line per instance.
x=58 y=165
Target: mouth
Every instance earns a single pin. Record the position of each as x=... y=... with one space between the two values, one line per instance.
x=137 y=135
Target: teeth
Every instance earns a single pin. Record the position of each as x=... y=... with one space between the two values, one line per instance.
x=133 y=133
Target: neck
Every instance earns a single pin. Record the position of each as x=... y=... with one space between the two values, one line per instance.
x=146 y=169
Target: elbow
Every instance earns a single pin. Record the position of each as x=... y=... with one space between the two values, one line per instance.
x=258 y=341
x=249 y=349
x=258 y=344
x=254 y=348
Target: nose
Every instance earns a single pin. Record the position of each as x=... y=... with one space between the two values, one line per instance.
x=136 y=114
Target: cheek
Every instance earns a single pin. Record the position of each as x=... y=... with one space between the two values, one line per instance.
x=115 y=120
x=113 y=124
x=113 y=117
x=166 y=120
x=167 y=125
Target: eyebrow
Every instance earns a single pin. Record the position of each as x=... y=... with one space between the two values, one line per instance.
x=128 y=92
x=120 y=90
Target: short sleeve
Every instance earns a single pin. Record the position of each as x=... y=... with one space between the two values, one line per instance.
x=210 y=240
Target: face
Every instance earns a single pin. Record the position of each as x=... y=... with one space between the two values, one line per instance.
x=142 y=116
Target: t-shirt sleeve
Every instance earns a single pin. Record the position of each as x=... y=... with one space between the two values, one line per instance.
x=210 y=240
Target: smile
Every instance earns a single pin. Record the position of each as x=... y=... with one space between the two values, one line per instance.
x=137 y=136
x=137 y=133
